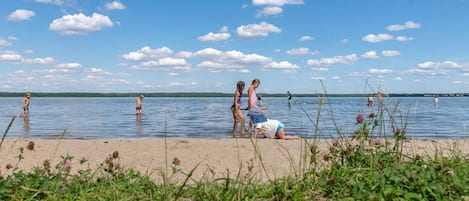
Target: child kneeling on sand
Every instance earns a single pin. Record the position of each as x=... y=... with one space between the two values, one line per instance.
x=270 y=128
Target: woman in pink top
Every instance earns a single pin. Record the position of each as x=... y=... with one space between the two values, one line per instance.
x=252 y=101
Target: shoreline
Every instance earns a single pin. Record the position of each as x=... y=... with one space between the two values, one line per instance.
x=212 y=158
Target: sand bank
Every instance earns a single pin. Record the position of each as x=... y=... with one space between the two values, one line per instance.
x=214 y=158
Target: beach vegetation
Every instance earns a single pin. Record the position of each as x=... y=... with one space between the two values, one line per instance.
x=370 y=163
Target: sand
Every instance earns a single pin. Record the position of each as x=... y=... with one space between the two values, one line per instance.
x=208 y=158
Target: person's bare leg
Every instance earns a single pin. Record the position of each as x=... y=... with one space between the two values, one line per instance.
x=281 y=134
x=241 y=118
x=235 y=122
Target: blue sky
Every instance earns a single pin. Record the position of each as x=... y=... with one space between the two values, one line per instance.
x=396 y=46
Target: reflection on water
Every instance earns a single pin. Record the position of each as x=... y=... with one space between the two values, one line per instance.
x=138 y=126
x=212 y=118
x=26 y=124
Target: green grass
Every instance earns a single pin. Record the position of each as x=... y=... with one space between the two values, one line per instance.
x=369 y=165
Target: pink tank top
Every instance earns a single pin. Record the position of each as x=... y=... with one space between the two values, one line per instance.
x=253 y=98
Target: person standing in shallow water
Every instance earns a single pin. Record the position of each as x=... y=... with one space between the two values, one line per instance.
x=26 y=102
x=289 y=97
x=252 y=99
x=138 y=105
x=238 y=116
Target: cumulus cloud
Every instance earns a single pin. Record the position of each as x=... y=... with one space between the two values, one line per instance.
x=404 y=38
x=147 y=53
x=372 y=38
x=270 y=11
x=305 y=38
x=318 y=78
x=283 y=65
x=21 y=15
x=214 y=58
x=262 y=29
x=4 y=42
x=69 y=65
x=445 y=64
x=390 y=53
x=370 y=55
x=215 y=37
x=276 y=2
x=115 y=5
x=439 y=68
x=348 y=59
x=80 y=24
x=379 y=71
x=407 y=25
x=46 y=60
x=174 y=63
x=10 y=56
x=302 y=51
x=55 y=2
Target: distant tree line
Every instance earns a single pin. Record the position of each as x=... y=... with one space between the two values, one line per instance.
x=210 y=94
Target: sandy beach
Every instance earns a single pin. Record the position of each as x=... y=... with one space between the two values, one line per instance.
x=212 y=158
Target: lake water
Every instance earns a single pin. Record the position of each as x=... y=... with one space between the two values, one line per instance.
x=86 y=118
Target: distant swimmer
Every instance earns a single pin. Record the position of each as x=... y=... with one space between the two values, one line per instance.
x=370 y=101
x=138 y=105
x=436 y=101
x=26 y=102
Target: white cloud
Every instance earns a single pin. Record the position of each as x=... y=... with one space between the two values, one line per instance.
x=404 y=38
x=4 y=42
x=55 y=2
x=302 y=51
x=398 y=78
x=146 y=53
x=276 y=2
x=348 y=59
x=390 y=53
x=370 y=55
x=407 y=25
x=305 y=38
x=439 y=68
x=262 y=29
x=335 y=77
x=10 y=56
x=115 y=5
x=80 y=24
x=318 y=78
x=379 y=71
x=213 y=58
x=21 y=15
x=322 y=69
x=166 y=63
x=445 y=64
x=69 y=65
x=283 y=65
x=215 y=37
x=372 y=38
x=46 y=60
x=344 y=41
x=270 y=10
x=245 y=71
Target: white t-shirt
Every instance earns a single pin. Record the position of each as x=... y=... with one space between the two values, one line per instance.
x=269 y=128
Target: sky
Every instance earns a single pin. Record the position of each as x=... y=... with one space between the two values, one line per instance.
x=301 y=46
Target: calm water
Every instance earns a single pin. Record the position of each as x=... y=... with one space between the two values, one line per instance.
x=212 y=118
